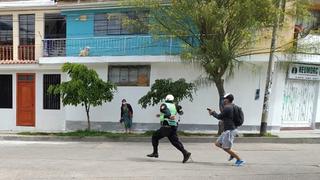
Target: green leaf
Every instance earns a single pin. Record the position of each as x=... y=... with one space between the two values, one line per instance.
x=84 y=88
x=180 y=89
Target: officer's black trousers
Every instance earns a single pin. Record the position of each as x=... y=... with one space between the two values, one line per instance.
x=171 y=133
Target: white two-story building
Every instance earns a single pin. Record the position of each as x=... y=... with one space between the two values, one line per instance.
x=37 y=38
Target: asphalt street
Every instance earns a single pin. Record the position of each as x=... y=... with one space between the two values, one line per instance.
x=125 y=160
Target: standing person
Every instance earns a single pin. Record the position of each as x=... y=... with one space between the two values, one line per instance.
x=126 y=115
x=225 y=140
x=169 y=126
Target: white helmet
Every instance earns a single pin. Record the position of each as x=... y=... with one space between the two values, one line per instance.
x=169 y=97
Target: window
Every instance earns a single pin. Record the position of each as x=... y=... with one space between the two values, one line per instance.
x=113 y=23
x=6 y=30
x=5 y=91
x=50 y=101
x=129 y=75
x=26 y=26
x=23 y=77
x=55 y=26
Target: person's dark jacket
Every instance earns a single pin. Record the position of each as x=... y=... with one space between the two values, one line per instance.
x=129 y=108
x=226 y=116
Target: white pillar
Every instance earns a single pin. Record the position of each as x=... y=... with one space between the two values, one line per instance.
x=15 y=29
x=39 y=34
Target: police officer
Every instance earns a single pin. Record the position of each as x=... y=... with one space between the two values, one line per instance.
x=169 y=126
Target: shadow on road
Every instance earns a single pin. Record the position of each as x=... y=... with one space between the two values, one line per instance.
x=150 y=160
x=137 y=159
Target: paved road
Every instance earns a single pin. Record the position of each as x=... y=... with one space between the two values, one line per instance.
x=124 y=161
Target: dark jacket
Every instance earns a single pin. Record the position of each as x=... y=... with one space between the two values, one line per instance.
x=129 y=108
x=226 y=116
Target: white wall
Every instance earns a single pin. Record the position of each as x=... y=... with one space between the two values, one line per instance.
x=8 y=115
x=243 y=85
x=317 y=116
x=46 y=120
x=110 y=111
x=7 y=118
x=276 y=99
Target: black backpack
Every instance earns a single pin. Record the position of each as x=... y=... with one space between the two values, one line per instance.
x=237 y=116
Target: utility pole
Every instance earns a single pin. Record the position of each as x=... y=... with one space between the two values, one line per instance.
x=267 y=91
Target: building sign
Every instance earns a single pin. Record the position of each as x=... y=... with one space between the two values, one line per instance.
x=305 y=72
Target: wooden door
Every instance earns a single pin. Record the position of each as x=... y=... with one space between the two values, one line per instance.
x=25 y=99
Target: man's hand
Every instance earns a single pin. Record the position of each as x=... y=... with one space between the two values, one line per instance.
x=172 y=117
x=210 y=111
x=157 y=115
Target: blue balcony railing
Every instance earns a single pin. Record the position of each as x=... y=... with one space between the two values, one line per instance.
x=111 y=46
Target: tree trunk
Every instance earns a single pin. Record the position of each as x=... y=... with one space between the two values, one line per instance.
x=219 y=84
x=88 y=115
x=265 y=109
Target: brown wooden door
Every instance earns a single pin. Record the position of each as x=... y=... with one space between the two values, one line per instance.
x=25 y=100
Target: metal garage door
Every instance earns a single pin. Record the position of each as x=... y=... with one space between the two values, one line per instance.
x=299 y=103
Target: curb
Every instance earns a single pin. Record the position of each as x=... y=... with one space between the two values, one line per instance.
x=185 y=139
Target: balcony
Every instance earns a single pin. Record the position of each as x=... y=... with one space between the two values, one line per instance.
x=6 y=52
x=26 y=52
x=54 y=47
x=111 y=46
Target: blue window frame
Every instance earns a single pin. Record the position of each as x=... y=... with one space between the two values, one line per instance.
x=113 y=23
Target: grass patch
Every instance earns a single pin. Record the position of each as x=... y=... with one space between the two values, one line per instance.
x=35 y=133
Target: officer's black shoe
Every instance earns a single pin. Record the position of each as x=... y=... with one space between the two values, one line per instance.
x=156 y=155
x=186 y=157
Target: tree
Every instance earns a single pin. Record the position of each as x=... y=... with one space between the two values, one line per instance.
x=85 y=88
x=180 y=89
x=214 y=33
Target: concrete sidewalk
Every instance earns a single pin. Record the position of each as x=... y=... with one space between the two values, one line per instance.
x=290 y=137
x=298 y=133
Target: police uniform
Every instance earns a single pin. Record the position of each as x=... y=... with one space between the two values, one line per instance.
x=168 y=129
